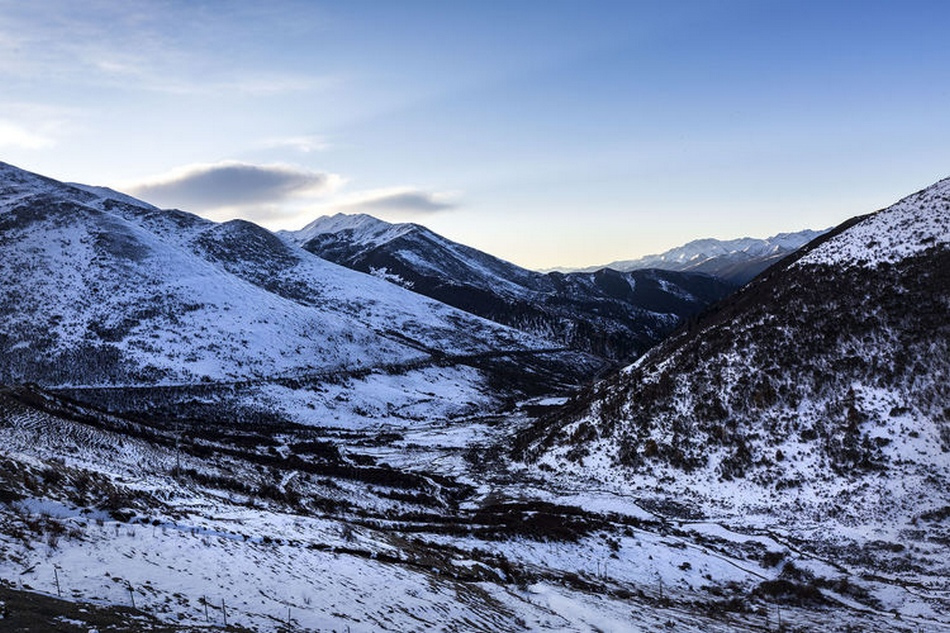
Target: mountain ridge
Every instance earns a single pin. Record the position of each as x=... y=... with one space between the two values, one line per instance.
x=611 y=314
x=736 y=260
x=107 y=292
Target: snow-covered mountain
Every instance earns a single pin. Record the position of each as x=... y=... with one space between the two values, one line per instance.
x=815 y=401
x=737 y=261
x=229 y=433
x=611 y=314
x=102 y=291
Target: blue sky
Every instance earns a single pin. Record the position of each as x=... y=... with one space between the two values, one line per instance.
x=548 y=133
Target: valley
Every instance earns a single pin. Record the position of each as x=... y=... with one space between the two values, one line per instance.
x=210 y=427
x=329 y=529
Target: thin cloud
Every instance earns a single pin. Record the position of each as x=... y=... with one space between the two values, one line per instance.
x=406 y=201
x=133 y=47
x=13 y=135
x=159 y=81
x=304 y=144
x=272 y=83
x=394 y=203
x=233 y=185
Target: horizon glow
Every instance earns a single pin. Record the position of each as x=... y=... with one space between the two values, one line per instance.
x=546 y=133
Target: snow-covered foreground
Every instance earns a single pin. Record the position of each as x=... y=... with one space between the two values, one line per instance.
x=424 y=526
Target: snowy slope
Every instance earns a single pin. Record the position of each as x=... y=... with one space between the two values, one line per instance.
x=814 y=402
x=193 y=531
x=915 y=225
x=614 y=315
x=850 y=338
x=352 y=239
x=737 y=261
x=396 y=506
x=105 y=291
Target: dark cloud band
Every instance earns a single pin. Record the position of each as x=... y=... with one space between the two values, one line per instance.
x=406 y=201
x=229 y=184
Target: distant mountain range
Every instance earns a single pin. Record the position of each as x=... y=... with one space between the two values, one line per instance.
x=611 y=314
x=737 y=261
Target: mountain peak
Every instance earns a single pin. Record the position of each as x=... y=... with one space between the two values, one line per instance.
x=706 y=248
x=364 y=228
x=610 y=314
x=343 y=221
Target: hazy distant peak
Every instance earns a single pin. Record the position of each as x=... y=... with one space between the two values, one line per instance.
x=706 y=248
x=736 y=260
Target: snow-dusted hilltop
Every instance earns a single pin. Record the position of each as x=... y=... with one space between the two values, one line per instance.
x=362 y=229
x=917 y=224
x=737 y=261
x=611 y=314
